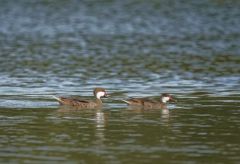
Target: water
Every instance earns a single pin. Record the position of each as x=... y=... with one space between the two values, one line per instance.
x=132 y=48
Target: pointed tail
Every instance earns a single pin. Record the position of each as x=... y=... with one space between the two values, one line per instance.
x=126 y=101
x=57 y=98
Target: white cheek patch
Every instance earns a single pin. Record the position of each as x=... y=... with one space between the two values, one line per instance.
x=165 y=99
x=100 y=94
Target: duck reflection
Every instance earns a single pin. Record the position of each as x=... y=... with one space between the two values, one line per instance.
x=100 y=119
x=97 y=115
x=164 y=113
x=101 y=122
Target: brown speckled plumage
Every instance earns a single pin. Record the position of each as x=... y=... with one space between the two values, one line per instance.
x=148 y=103
x=83 y=103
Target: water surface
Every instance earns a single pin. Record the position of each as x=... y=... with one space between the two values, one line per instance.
x=132 y=48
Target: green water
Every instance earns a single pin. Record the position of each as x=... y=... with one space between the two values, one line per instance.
x=133 y=49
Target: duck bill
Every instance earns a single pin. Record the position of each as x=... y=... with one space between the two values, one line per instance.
x=172 y=99
x=106 y=95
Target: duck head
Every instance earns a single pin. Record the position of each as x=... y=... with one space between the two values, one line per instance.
x=100 y=92
x=165 y=97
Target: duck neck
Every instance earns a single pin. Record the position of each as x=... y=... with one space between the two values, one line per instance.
x=99 y=101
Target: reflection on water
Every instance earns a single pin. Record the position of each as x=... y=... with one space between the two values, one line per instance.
x=101 y=121
x=99 y=118
x=133 y=49
x=165 y=114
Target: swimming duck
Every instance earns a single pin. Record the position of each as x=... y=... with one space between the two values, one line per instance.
x=98 y=93
x=148 y=103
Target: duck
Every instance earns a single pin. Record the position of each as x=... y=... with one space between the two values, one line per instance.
x=98 y=93
x=148 y=103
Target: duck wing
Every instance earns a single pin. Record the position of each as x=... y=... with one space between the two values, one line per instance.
x=134 y=101
x=72 y=101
